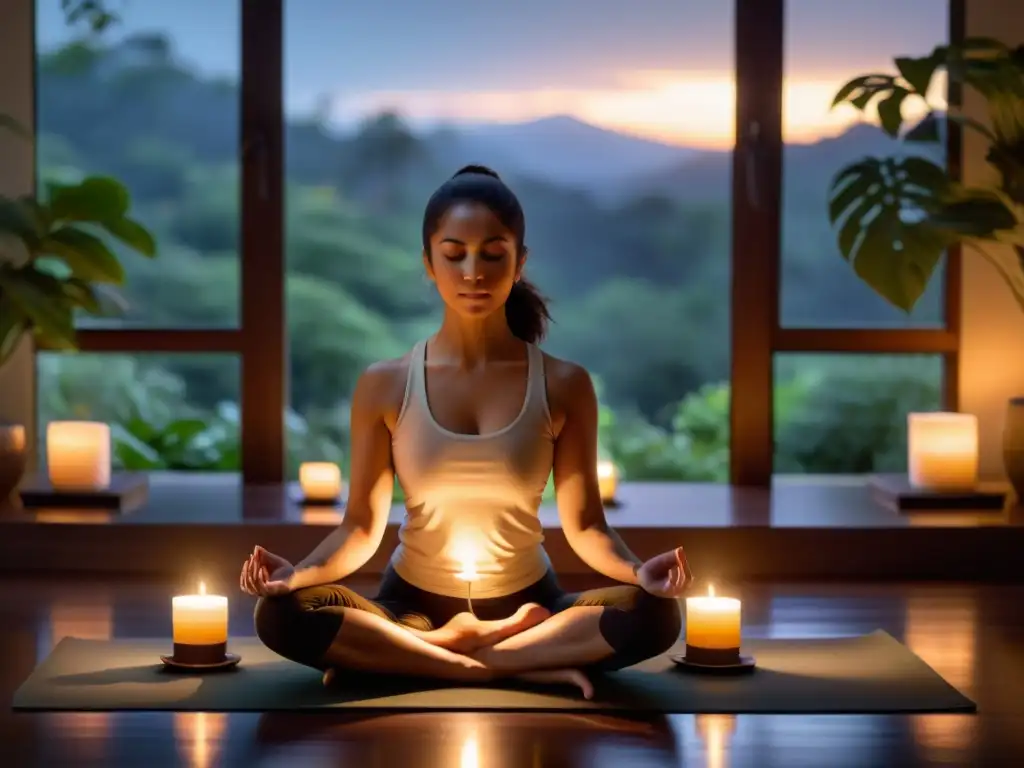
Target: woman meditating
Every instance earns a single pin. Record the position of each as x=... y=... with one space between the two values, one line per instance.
x=472 y=422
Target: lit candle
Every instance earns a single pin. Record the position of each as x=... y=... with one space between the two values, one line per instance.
x=468 y=574
x=320 y=481
x=607 y=479
x=200 y=625
x=942 y=451
x=78 y=455
x=712 y=629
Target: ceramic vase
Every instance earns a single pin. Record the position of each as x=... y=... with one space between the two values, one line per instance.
x=1013 y=445
x=13 y=458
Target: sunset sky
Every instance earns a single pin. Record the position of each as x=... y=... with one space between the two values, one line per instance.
x=655 y=68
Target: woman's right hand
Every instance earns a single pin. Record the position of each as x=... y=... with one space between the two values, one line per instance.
x=265 y=574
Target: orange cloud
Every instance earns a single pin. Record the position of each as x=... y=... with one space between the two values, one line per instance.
x=691 y=108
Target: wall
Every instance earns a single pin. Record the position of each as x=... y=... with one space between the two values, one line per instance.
x=992 y=341
x=17 y=177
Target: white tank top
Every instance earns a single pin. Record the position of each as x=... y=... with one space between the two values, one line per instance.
x=472 y=499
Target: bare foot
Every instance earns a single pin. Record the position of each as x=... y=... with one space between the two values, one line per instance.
x=466 y=633
x=560 y=677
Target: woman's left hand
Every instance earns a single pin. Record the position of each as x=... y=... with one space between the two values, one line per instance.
x=666 y=575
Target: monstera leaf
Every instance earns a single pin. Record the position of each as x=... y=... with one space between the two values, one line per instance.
x=881 y=208
x=895 y=217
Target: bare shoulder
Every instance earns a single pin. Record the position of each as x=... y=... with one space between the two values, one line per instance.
x=381 y=388
x=569 y=388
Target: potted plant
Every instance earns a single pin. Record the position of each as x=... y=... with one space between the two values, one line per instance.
x=896 y=216
x=56 y=262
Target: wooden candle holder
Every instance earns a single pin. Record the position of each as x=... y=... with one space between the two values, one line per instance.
x=728 y=661
x=126 y=491
x=896 y=493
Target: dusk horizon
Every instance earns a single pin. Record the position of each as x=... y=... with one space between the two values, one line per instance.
x=657 y=71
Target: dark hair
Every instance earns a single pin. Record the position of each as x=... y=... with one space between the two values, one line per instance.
x=526 y=309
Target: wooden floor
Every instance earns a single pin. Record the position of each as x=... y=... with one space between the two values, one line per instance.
x=973 y=635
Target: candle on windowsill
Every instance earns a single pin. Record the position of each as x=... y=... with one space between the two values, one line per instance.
x=712 y=629
x=320 y=481
x=78 y=455
x=200 y=627
x=942 y=451
x=607 y=480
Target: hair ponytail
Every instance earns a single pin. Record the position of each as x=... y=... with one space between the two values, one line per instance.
x=526 y=312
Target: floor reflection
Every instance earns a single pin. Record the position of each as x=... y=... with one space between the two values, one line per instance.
x=198 y=737
x=468 y=740
x=943 y=632
x=716 y=731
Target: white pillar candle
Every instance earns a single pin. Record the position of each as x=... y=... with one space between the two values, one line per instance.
x=320 y=480
x=607 y=480
x=942 y=451
x=78 y=455
x=713 y=622
x=200 y=619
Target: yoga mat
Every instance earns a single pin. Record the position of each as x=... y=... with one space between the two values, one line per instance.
x=858 y=675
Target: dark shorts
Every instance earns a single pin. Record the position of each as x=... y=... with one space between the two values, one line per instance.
x=302 y=625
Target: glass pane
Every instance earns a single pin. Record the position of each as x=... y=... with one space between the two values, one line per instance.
x=847 y=414
x=153 y=101
x=166 y=411
x=827 y=44
x=615 y=130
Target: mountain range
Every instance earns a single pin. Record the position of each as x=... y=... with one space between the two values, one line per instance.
x=568 y=152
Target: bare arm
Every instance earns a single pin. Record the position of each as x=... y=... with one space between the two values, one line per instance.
x=371 y=485
x=579 y=499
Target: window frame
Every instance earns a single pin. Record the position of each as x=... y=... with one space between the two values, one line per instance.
x=756 y=333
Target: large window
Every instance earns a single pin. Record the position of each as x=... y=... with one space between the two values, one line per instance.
x=673 y=160
x=826 y=44
x=847 y=414
x=167 y=412
x=616 y=136
x=154 y=102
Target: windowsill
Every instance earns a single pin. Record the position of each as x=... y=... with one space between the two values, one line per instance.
x=794 y=502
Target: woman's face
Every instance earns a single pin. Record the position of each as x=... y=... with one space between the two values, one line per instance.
x=473 y=260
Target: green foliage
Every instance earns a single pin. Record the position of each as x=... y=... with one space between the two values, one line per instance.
x=896 y=216
x=155 y=424
x=846 y=419
x=56 y=259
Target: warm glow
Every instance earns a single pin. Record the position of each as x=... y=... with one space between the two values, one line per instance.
x=943 y=632
x=713 y=622
x=716 y=731
x=469 y=756
x=78 y=455
x=198 y=736
x=607 y=480
x=200 y=619
x=468 y=572
x=695 y=109
x=12 y=438
x=320 y=480
x=942 y=450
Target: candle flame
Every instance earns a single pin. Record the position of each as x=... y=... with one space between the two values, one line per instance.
x=605 y=469
x=202 y=587
x=711 y=590
x=468 y=572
